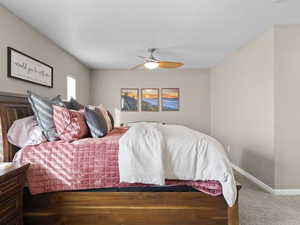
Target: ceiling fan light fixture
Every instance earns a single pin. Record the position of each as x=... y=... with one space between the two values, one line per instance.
x=151 y=65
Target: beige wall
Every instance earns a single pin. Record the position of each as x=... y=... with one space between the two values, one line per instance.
x=255 y=106
x=17 y=34
x=194 y=91
x=287 y=106
x=242 y=106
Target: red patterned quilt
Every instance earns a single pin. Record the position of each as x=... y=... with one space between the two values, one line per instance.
x=88 y=163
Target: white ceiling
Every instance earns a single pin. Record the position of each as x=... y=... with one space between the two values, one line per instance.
x=111 y=33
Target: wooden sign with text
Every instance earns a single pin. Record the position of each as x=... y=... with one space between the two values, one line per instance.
x=24 y=67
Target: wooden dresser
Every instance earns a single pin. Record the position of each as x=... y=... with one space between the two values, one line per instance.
x=12 y=179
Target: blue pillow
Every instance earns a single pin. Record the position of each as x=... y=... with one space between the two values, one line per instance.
x=96 y=122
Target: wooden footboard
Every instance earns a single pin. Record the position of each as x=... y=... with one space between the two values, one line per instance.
x=128 y=208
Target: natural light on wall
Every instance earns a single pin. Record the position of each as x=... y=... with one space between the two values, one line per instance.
x=71 y=87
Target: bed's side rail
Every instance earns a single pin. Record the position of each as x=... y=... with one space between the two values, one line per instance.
x=12 y=107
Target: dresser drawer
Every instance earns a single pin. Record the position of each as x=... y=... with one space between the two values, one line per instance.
x=10 y=207
x=12 y=181
x=10 y=187
x=13 y=221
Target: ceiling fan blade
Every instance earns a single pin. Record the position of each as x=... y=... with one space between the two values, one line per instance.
x=142 y=57
x=148 y=59
x=137 y=66
x=170 y=65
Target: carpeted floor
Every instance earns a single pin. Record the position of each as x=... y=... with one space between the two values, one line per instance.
x=257 y=207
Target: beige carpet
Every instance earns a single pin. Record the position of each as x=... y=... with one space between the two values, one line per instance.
x=257 y=207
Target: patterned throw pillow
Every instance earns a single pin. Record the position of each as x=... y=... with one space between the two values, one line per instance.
x=43 y=110
x=70 y=124
x=95 y=121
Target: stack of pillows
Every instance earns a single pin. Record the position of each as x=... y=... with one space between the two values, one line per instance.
x=56 y=120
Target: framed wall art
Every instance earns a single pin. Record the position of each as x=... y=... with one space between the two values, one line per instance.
x=150 y=99
x=130 y=99
x=24 y=67
x=170 y=99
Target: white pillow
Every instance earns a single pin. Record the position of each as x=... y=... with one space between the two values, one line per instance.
x=24 y=132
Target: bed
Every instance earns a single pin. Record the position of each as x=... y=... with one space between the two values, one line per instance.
x=113 y=207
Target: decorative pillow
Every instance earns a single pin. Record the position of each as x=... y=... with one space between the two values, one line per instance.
x=106 y=117
x=95 y=121
x=111 y=119
x=70 y=124
x=73 y=104
x=43 y=110
x=24 y=132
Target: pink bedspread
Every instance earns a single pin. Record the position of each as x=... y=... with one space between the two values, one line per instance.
x=88 y=163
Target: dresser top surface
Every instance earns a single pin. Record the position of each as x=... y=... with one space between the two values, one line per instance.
x=7 y=169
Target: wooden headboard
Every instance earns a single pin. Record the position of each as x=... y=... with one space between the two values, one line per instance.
x=12 y=107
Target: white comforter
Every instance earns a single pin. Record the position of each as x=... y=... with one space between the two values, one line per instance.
x=151 y=153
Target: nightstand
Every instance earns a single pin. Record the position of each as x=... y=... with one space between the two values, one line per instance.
x=12 y=179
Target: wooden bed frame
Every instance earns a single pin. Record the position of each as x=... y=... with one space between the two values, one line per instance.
x=112 y=208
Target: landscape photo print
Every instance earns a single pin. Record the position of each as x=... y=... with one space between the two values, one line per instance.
x=150 y=99
x=130 y=99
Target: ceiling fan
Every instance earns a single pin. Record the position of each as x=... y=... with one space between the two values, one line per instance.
x=152 y=63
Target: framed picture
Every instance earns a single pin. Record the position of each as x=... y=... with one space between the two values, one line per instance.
x=24 y=67
x=170 y=99
x=150 y=99
x=130 y=99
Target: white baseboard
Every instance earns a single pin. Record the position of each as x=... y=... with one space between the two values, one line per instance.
x=253 y=179
x=265 y=186
x=286 y=191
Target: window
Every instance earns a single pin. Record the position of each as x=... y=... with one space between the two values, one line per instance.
x=71 y=87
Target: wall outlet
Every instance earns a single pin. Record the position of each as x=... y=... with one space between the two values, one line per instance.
x=228 y=148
